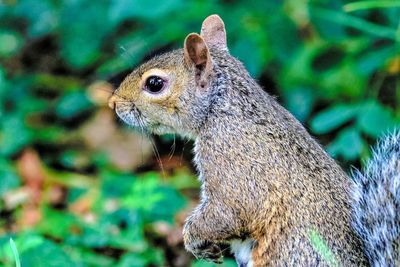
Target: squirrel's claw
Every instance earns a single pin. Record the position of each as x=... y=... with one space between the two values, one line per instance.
x=208 y=251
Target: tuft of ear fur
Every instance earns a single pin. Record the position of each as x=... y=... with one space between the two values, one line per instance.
x=197 y=53
x=213 y=32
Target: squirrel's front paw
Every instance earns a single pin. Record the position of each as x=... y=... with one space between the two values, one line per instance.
x=206 y=250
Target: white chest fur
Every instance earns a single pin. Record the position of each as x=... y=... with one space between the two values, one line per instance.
x=242 y=251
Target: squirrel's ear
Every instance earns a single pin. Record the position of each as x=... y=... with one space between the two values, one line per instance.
x=213 y=32
x=196 y=52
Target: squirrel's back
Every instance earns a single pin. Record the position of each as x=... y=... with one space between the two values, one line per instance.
x=377 y=203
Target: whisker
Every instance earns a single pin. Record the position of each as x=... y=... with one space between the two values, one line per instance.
x=183 y=149
x=141 y=137
x=154 y=148
x=171 y=153
x=127 y=55
x=225 y=249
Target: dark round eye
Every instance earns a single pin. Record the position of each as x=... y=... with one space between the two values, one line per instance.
x=154 y=84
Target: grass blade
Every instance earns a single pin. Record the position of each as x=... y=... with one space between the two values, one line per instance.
x=15 y=252
x=322 y=248
x=356 y=23
x=350 y=7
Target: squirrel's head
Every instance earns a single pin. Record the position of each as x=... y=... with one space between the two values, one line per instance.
x=168 y=93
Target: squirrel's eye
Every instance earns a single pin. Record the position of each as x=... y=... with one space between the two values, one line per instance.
x=154 y=84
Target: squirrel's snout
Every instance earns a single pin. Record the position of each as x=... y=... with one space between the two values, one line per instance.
x=111 y=101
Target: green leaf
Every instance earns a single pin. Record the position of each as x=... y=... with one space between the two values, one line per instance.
x=58 y=224
x=145 y=188
x=86 y=257
x=8 y=177
x=10 y=43
x=162 y=202
x=374 y=58
x=332 y=118
x=374 y=119
x=151 y=9
x=14 y=134
x=27 y=241
x=15 y=252
x=4 y=85
x=72 y=104
x=343 y=81
x=329 y=30
x=247 y=51
x=116 y=184
x=299 y=101
x=348 y=144
x=203 y=263
x=355 y=22
x=283 y=38
x=7 y=250
x=183 y=179
x=131 y=238
x=49 y=135
x=133 y=260
x=41 y=15
x=82 y=34
x=74 y=159
x=350 y=7
x=152 y=257
x=46 y=254
x=95 y=237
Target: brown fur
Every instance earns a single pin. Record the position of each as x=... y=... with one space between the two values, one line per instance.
x=263 y=176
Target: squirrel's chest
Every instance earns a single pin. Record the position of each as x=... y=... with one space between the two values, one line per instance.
x=242 y=250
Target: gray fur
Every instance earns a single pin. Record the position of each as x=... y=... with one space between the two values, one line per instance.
x=265 y=180
x=263 y=176
x=377 y=203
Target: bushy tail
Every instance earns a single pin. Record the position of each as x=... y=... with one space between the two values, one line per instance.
x=377 y=203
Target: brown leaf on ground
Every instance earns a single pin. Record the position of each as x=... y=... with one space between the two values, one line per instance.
x=126 y=149
x=16 y=197
x=162 y=228
x=30 y=216
x=56 y=194
x=171 y=163
x=175 y=237
x=84 y=204
x=33 y=175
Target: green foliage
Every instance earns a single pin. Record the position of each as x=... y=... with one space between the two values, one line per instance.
x=370 y=4
x=11 y=41
x=15 y=252
x=68 y=195
x=9 y=177
x=203 y=263
x=322 y=248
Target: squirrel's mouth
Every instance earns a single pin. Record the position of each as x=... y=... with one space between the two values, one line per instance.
x=130 y=115
x=134 y=117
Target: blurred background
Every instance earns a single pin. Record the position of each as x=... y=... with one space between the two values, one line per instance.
x=78 y=188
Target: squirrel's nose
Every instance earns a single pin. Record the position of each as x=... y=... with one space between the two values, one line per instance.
x=111 y=101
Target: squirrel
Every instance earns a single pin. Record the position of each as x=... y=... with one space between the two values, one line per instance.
x=267 y=185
